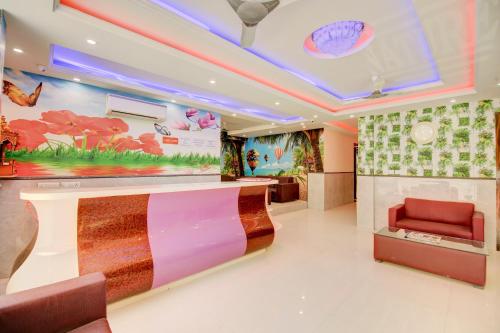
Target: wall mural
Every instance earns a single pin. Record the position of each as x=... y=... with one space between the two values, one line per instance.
x=287 y=154
x=292 y=154
x=63 y=131
x=232 y=155
x=464 y=146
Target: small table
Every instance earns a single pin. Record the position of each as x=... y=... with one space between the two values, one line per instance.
x=457 y=258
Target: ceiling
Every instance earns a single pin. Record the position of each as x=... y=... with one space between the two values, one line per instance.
x=425 y=50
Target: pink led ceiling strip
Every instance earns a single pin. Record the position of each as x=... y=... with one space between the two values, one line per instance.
x=470 y=43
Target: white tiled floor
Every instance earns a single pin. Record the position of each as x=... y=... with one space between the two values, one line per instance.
x=319 y=276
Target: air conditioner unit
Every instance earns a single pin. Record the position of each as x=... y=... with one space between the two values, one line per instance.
x=120 y=106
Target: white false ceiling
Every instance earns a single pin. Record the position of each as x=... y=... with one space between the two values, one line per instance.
x=135 y=34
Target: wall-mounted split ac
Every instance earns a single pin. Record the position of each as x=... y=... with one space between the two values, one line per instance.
x=120 y=106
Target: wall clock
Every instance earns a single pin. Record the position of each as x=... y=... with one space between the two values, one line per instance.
x=424 y=132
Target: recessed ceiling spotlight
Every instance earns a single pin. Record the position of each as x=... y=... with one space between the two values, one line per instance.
x=498 y=84
x=17 y=50
x=173 y=101
x=315 y=116
x=234 y=115
x=277 y=103
x=453 y=100
x=270 y=132
x=351 y=116
x=273 y=124
x=91 y=41
x=212 y=82
x=245 y=135
x=302 y=124
x=76 y=79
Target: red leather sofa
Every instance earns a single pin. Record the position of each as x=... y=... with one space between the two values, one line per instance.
x=75 y=305
x=454 y=219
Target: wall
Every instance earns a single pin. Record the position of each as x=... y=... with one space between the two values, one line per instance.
x=459 y=165
x=339 y=155
x=335 y=186
x=464 y=147
x=289 y=153
x=63 y=131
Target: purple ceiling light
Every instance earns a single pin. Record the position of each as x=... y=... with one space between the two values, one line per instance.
x=339 y=39
x=75 y=61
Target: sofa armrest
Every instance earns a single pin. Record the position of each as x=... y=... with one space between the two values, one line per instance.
x=58 y=307
x=396 y=213
x=286 y=192
x=478 y=226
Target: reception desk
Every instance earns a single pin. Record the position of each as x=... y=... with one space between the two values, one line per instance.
x=142 y=237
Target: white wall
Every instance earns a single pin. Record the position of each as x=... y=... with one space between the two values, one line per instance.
x=338 y=151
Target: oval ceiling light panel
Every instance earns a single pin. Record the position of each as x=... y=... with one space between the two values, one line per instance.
x=339 y=39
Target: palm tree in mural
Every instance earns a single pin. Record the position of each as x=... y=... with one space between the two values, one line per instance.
x=307 y=138
x=302 y=157
x=234 y=147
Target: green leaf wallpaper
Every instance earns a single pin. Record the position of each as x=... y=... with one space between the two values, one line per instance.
x=463 y=148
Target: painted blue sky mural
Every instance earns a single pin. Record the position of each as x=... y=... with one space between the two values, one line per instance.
x=273 y=165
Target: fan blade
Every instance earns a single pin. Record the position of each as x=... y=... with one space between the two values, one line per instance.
x=248 y=35
x=271 y=5
x=235 y=4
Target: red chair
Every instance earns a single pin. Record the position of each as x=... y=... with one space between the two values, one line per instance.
x=454 y=219
x=75 y=305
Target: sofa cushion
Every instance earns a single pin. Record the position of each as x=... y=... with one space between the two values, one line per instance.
x=439 y=211
x=445 y=229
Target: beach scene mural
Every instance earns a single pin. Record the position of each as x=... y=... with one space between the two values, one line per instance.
x=287 y=154
x=63 y=131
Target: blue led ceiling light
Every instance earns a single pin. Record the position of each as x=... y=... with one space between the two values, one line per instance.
x=76 y=61
x=435 y=77
x=339 y=37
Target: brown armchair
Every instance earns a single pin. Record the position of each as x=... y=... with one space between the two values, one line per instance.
x=75 y=305
x=286 y=190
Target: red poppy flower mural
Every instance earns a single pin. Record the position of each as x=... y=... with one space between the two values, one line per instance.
x=73 y=141
x=31 y=133
x=87 y=133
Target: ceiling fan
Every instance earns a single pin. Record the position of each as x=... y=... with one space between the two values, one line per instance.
x=251 y=13
x=378 y=84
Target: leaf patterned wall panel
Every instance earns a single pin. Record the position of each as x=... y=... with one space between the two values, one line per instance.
x=463 y=148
